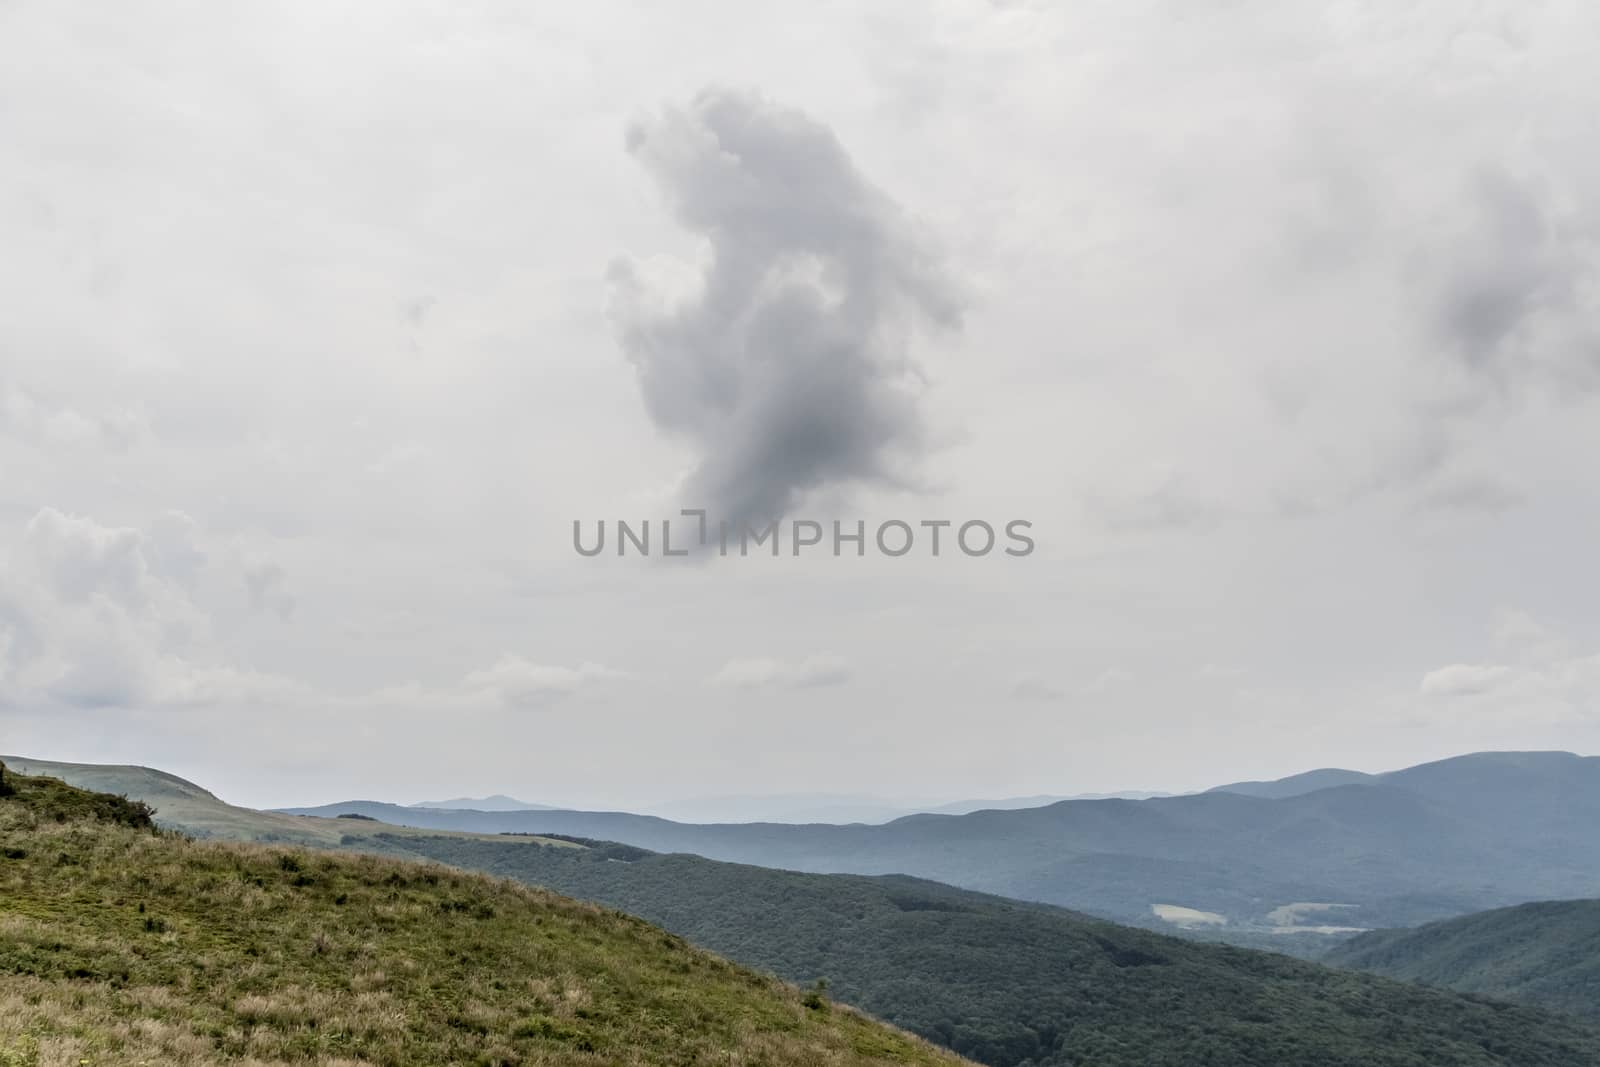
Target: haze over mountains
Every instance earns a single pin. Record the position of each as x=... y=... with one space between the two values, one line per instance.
x=844 y=808
x=1409 y=846
x=1296 y=872
x=497 y=802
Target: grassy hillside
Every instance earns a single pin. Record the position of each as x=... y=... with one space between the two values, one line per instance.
x=1008 y=983
x=182 y=805
x=1546 y=954
x=120 y=944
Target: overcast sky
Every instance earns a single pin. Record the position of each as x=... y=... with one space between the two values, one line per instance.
x=323 y=322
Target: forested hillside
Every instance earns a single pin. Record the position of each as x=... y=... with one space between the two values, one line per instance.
x=1015 y=984
x=1546 y=953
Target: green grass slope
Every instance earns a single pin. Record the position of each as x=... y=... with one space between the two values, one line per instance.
x=122 y=944
x=1012 y=984
x=181 y=805
x=1546 y=954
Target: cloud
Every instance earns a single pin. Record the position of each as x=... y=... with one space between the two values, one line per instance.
x=811 y=672
x=1511 y=302
x=517 y=682
x=1473 y=494
x=102 y=617
x=1463 y=679
x=173 y=547
x=87 y=619
x=1033 y=687
x=266 y=584
x=1168 y=504
x=789 y=368
x=77 y=558
x=1543 y=679
x=30 y=417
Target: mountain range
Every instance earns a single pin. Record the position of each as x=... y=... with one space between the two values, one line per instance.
x=1410 y=846
x=840 y=808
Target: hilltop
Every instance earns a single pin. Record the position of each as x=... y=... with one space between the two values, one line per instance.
x=1546 y=953
x=123 y=944
x=182 y=805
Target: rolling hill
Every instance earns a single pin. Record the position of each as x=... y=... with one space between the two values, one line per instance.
x=182 y=805
x=1411 y=846
x=1011 y=983
x=1546 y=953
x=123 y=945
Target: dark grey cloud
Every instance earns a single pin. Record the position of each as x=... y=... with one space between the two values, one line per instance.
x=1510 y=306
x=790 y=366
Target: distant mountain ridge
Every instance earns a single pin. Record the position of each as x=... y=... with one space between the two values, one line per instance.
x=1416 y=845
x=837 y=809
x=1409 y=846
x=1299 y=784
x=841 y=809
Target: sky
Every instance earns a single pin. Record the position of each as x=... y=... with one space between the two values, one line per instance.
x=324 y=322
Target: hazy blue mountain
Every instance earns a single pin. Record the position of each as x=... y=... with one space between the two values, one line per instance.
x=966 y=807
x=1545 y=953
x=1424 y=843
x=835 y=808
x=845 y=808
x=1297 y=784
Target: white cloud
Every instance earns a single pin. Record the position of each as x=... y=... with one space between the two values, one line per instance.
x=761 y=673
x=1464 y=679
x=99 y=617
x=517 y=682
x=1544 y=681
x=33 y=419
x=89 y=622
